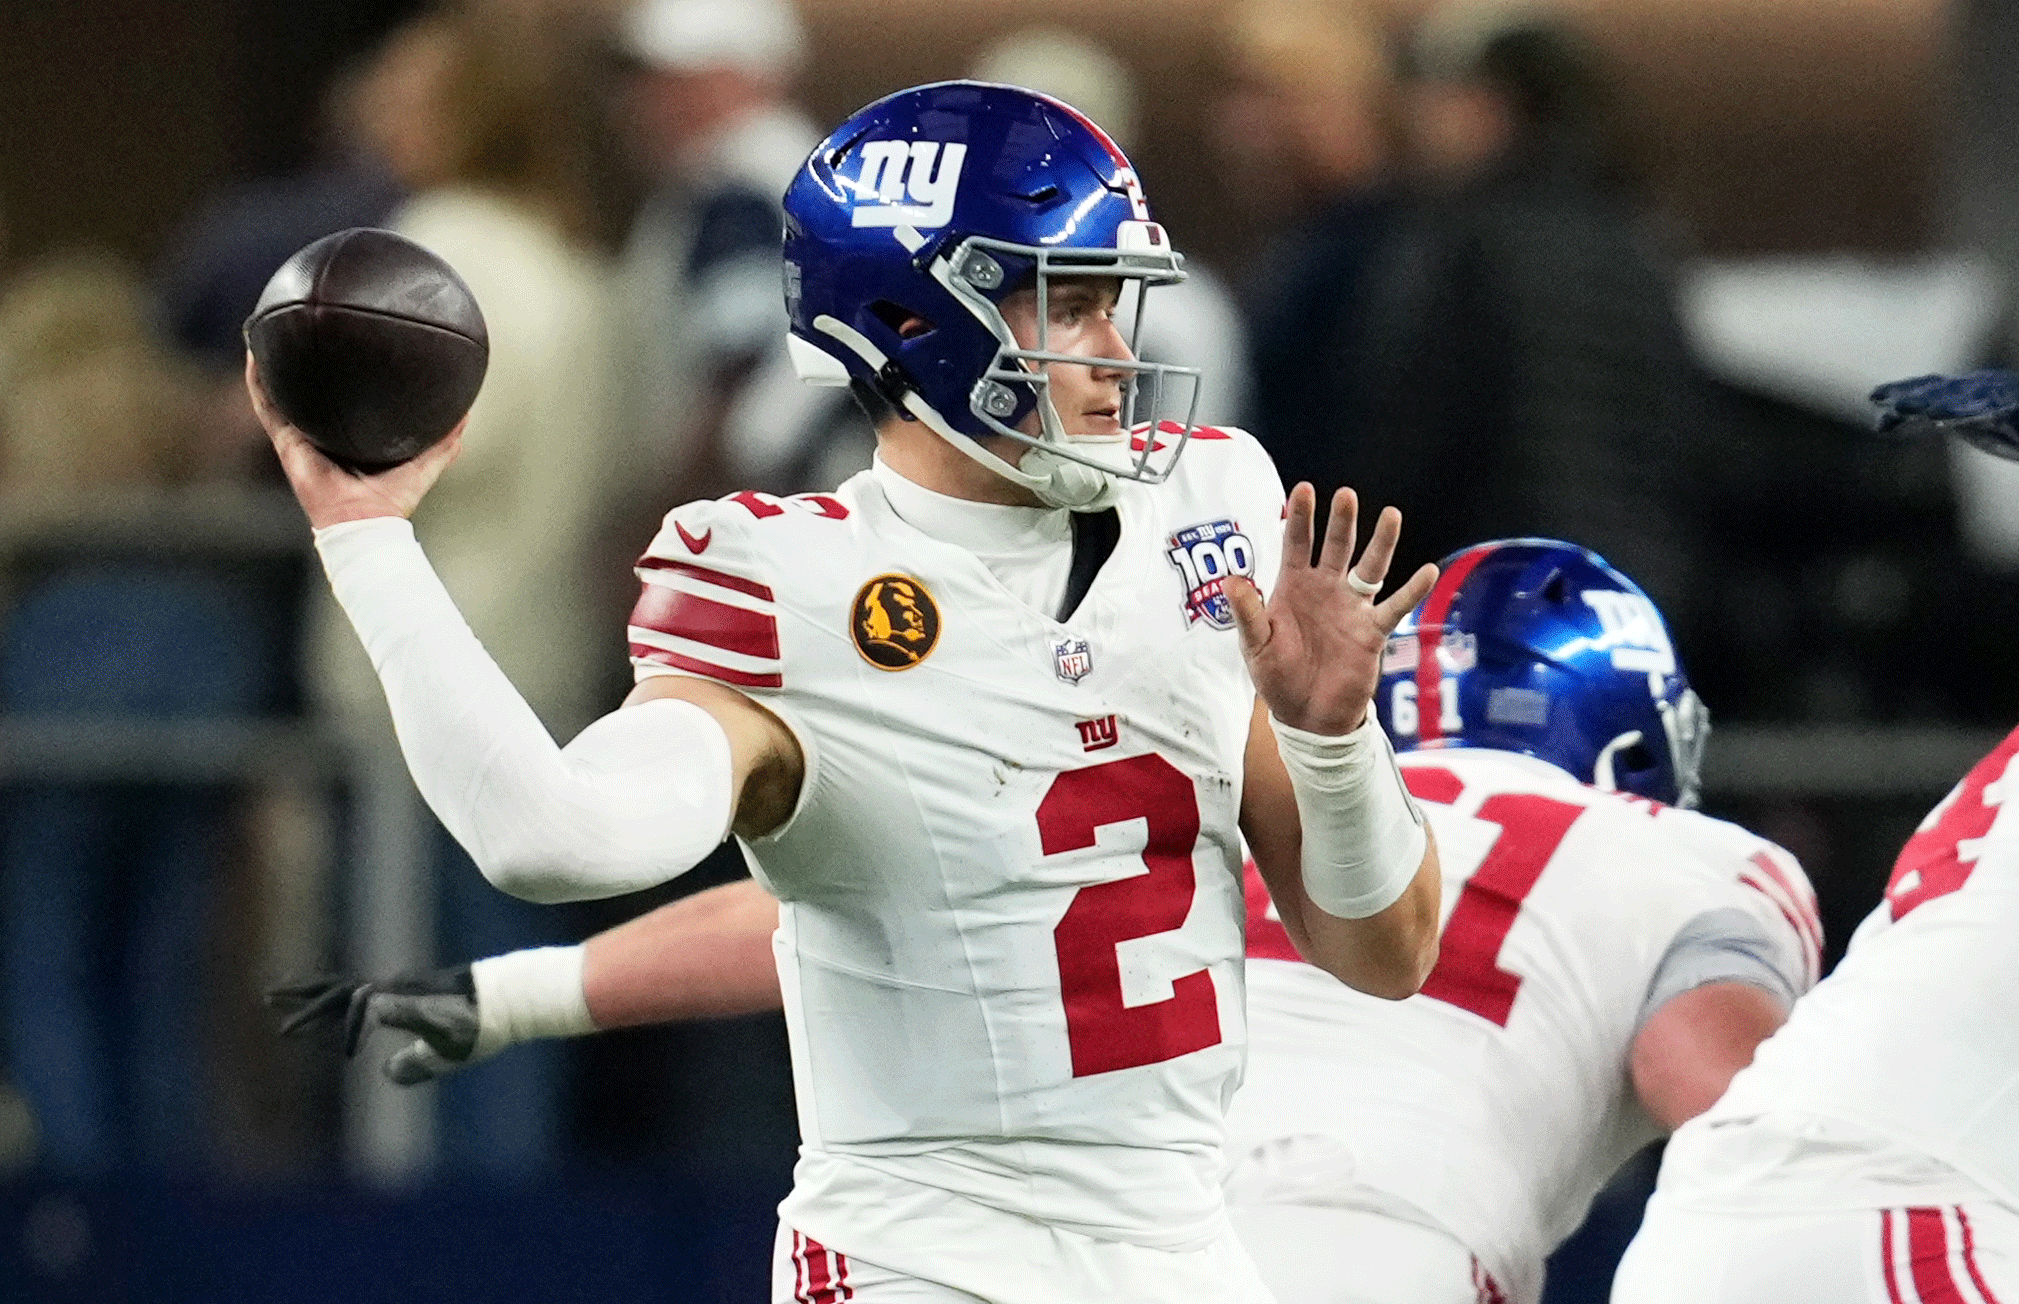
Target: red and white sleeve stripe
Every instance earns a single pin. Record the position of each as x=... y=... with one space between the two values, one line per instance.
x=1929 y=1255
x=703 y=621
x=1784 y=884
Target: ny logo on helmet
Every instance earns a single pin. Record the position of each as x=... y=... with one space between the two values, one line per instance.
x=1632 y=631
x=892 y=170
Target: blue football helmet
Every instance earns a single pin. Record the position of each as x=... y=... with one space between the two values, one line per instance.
x=1539 y=647
x=936 y=204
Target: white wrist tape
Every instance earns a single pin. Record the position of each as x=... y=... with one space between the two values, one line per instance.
x=527 y=995
x=1363 y=836
x=640 y=796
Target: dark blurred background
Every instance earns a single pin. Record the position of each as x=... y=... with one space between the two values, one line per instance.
x=1616 y=270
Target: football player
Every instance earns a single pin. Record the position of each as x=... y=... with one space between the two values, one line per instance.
x=990 y=721
x=1607 y=964
x=1871 y=1151
x=1610 y=957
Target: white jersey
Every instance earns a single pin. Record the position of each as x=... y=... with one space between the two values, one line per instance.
x=1011 y=923
x=1909 y=1052
x=1496 y=1102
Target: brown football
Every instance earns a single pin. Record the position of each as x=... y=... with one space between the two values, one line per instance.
x=371 y=345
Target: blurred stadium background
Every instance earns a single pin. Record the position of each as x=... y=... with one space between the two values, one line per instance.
x=190 y=813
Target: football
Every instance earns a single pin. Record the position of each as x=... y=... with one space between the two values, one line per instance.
x=369 y=344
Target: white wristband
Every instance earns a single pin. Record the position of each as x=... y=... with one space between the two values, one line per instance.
x=527 y=995
x=1363 y=837
x=638 y=797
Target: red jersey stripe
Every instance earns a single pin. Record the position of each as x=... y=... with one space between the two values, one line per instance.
x=741 y=678
x=722 y=578
x=1928 y=1257
x=704 y=620
x=1886 y=1256
x=1430 y=617
x=1808 y=956
x=1803 y=902
x=1970 y=1257
x=799 y=1268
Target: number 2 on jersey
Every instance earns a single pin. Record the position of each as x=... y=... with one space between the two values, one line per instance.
x=1468 y=973
x=1106 y=1034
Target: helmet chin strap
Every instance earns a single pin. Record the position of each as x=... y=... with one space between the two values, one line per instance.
x=1057 y=481
x=1601 y=770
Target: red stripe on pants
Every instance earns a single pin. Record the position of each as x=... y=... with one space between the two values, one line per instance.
x=819 y=1287
x=1886 y=1256
x=1970 y=1257
x=821 y=1274
x=1928 y=1257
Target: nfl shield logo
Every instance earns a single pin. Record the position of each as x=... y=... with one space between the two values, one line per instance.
x=1072 y=658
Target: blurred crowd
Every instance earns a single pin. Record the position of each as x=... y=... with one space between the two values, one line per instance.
x=1454 y=292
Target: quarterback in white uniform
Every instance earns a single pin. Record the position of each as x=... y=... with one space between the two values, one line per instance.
x=1608 y=961
x=989 y=720
x=1871 y=1152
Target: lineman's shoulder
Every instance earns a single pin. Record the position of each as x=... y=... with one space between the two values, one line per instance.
x=1741 y=867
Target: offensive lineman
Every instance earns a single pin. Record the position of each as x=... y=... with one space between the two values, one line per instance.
x=982 y=721
x=1871 y=1152
x=1608 y=962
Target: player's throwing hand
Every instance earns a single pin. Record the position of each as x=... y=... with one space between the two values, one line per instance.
x=329 y=493
x=1314 y=648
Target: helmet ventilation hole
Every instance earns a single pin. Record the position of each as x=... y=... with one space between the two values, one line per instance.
x=907 y=324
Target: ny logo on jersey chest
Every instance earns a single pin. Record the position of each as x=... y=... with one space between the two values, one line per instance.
x=1098 y=735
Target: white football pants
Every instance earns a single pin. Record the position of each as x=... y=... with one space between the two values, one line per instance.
x=1313 y=1255
x=803 y=1271
x=1935 y=1254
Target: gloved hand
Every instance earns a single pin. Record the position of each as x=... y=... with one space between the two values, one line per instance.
x=439 y=1007
x=1979 y=406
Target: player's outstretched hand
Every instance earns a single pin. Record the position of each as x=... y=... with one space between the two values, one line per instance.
x=1314 y=648
x=329 y=493
x=439 y=1007
x=1979 y=406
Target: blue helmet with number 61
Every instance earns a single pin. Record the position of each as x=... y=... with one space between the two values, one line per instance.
x=1539 y=647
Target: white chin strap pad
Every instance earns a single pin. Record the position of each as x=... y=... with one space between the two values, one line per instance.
x=1061 y=482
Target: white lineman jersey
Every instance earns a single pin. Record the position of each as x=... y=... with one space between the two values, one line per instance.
x=1010 y=934
x=1913 y=1038
x=1495 y=1103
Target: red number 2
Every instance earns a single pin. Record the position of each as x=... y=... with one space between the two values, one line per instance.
x=1468 y=973
x=1105 y=1033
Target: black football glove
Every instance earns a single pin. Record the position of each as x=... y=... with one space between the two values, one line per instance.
x=1981 y=407
x=439 y=1007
